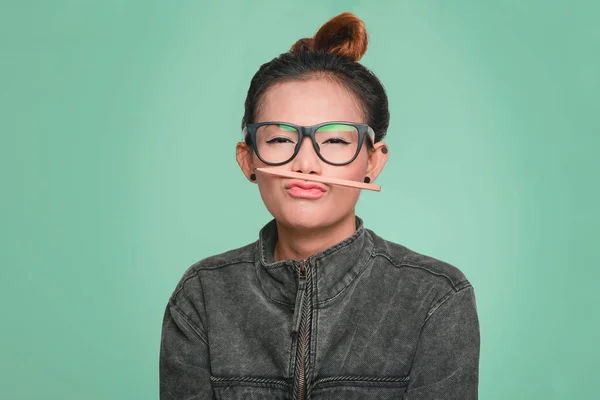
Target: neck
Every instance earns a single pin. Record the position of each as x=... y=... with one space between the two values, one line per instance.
x=300 y=243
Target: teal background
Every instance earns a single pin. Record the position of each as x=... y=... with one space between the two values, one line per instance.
x=119 y=123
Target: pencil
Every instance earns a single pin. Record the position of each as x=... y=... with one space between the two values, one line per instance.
x=319 y=178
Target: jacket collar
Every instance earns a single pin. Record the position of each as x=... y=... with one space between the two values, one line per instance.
x=333 y=269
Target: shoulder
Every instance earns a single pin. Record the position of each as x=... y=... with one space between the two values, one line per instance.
x=425 y=268
x=190 y=281
x=244 y=254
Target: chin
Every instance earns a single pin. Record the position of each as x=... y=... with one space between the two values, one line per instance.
x=303 y=218
x=308 y=214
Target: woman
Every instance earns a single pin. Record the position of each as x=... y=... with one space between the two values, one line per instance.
x=319 y=307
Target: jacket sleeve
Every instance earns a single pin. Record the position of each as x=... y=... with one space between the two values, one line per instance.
x=446 y=363
x=184 y=358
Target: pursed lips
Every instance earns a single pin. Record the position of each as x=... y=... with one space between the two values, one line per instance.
x=306 y=190
x=306 y=186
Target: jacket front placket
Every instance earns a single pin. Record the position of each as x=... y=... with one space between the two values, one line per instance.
x=301 y=330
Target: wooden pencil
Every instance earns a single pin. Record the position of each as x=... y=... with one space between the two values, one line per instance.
x=319 y=178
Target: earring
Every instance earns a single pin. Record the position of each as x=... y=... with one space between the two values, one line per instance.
x=384 y=150
x=252 y=177
x=367 y=179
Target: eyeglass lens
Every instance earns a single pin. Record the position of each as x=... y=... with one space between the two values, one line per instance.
x=337 y=143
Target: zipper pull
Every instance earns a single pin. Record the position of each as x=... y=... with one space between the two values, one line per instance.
x=302 y=270
x=299 y=297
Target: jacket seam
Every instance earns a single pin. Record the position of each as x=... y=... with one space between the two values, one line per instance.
x=258 y=264
x=199 y=268
x=444 y=299
x=285 y=264
x=264 y=291
x=361 y=381
x=431 y=312
x=359 y=272
x=315 y=343
x=250 y=381
x=347 y=242
x=205 y=311
x=192 y=326
x=406 y=264
x=363 y=378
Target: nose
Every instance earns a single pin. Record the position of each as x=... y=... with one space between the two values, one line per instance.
x=306 y=161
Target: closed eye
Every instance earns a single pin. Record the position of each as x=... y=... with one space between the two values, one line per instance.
x=279 y=140
x=336 y=141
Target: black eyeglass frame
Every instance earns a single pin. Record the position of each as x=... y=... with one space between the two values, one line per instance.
x=303 y=131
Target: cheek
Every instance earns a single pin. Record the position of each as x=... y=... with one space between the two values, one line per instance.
x=256 y=161
x=270 y=196
x=357 y=169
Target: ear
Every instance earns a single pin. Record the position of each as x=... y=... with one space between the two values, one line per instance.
x=243 y=155
x=377 y=159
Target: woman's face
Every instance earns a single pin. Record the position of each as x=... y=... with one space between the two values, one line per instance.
x=309 y=103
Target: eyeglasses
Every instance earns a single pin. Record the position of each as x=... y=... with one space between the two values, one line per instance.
x=337 y=143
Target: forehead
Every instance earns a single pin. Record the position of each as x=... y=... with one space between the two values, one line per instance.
x=309 y=102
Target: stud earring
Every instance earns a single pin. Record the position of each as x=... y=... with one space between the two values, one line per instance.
x=384 y=150
x=367 y=179
x=252 y=177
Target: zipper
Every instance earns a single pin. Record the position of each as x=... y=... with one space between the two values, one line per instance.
x=298 y=308
x=301 y=328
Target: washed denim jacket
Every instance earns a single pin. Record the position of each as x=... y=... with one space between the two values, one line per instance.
x=363 y=319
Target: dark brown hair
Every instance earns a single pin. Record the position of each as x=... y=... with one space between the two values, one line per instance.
x=332 y=53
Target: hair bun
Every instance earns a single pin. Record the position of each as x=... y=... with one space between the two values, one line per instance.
x=303 y=45
x=344 y=35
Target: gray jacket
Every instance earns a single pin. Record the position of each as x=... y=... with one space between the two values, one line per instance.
x=363 y=319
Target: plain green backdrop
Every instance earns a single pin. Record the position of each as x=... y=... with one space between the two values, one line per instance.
x=119 y=124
